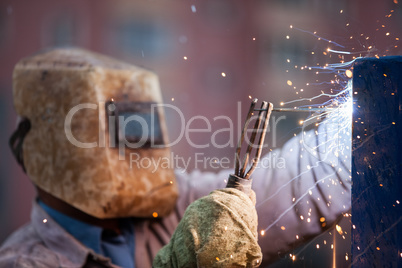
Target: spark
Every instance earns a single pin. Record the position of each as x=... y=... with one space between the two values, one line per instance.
x=338 y=51
x=334 y=252
x=343 y=104
x=319 y=37
x=317 y=164
x=357 y=257
x=343 y=92
x=339 y=229
x=338 y=108
x=297 y=201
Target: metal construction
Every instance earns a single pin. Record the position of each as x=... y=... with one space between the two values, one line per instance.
x=376 y=163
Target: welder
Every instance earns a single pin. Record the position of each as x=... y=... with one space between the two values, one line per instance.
x=82 y=114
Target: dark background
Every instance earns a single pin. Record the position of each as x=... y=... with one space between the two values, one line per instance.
x=244 y=39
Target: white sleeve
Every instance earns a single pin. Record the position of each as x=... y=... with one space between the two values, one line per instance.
x=301 y=190
x=305 y=191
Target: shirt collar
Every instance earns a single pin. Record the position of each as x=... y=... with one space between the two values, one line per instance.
x=69 y=250
x=89 y=235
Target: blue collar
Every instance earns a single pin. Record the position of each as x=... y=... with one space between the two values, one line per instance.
x=120 y=248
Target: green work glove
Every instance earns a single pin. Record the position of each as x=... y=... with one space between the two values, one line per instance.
x=218 y=230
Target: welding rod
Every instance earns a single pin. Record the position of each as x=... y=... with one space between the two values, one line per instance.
x=260 y=125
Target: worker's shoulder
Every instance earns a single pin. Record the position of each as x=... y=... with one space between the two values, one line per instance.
x=24 y=248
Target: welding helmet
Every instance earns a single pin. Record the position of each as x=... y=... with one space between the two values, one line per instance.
x=97 y=138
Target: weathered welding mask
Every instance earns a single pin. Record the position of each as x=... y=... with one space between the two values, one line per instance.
x=97 y=138
x=134 y=124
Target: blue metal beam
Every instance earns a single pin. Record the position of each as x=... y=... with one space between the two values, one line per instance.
x=376 y=163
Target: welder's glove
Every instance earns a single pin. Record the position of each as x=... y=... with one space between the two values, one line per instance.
x=218 y=230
